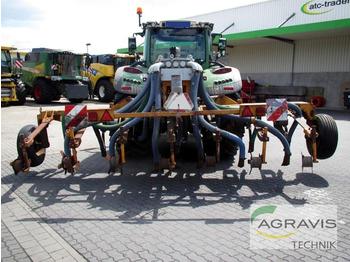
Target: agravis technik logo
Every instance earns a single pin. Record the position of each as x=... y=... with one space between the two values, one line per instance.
x=286 y=226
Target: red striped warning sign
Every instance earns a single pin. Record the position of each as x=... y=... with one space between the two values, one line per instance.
x=277 y=109
x=18 y=64
x=74 y=115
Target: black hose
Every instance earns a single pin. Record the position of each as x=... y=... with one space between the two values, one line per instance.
x=195 y=125
x=156 y=120
x=134 y=121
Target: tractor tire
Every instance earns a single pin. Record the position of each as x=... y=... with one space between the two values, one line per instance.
x=41 y=92
x=105 y=90
x=327 y=139
x=36 y=152
x=21 y=94
x=228 y=148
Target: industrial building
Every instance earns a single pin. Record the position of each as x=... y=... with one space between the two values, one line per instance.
x=290 y=43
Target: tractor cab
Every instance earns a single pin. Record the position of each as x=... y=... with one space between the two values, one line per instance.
x=178 y=38
x=176 y=44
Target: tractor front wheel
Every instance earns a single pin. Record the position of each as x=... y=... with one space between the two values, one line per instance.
x=327 y=138
x=21 y=93
x=105 y=90
x=36 y=152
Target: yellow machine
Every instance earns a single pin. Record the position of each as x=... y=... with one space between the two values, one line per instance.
x=12 y=89
x=100 y=69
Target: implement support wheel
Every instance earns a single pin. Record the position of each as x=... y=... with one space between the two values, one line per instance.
x=36 y=152
x=327 y=139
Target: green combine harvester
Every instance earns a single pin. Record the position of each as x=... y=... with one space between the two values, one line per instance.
x=49 y=73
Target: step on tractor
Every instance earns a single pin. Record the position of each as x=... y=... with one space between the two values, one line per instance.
x=12 y=88
x=181 y=92
x=49 y=73
x=100 y=69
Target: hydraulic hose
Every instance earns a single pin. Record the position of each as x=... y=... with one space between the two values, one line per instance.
x=156 y=120
x=130 y=106
x=134 y=121
x=195 y=125
x=213 y=106
x=114 y=125
x=235 y=139
x=298 y=114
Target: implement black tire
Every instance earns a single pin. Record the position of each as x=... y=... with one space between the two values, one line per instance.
x=105 y=90
x=36 y=152
x=41 y=92
x=327 y=139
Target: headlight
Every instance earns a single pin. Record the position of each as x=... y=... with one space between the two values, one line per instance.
x=168 y=64
x=175 y=63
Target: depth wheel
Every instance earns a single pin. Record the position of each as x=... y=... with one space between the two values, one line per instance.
x=327 y=139
x=36 y=152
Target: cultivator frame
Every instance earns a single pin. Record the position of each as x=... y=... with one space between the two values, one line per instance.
x=70 y=162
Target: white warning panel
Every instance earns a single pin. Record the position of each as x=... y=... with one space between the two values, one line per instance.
x=277 y=109
x=178 y=102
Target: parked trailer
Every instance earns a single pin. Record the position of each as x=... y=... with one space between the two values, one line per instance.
x=184 y=93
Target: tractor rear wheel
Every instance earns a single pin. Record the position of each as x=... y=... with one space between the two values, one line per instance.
x=36 y=152
x=105 y=90
x=327 y=139
x=41 y=92
x=21 y=94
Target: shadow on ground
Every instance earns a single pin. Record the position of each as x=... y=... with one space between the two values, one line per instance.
x=135 y=193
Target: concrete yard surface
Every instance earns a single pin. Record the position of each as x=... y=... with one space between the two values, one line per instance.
x=188 y=214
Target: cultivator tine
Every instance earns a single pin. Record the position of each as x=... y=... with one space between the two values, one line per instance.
x=286 y=160
x=171 y=141
x=210 y=160
x=264 y=139
x=217 y=142
x=112 y=165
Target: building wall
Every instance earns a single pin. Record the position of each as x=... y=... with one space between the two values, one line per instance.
x=271 y=14
x=321 y=62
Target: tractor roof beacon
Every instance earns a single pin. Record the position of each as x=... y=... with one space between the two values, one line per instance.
x=180 y=90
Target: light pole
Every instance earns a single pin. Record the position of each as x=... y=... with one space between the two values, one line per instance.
x=87 y=47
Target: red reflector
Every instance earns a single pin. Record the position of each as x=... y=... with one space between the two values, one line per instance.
x=106 y=116
x=92 y=116
x=260 y=111
x=222 y=70
x=126 y=88
x=132 y=70
x=246 y=111
x=228 y=88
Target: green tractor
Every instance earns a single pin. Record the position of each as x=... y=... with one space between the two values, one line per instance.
x=12 y=88
x=177 y=43
x=49 y=73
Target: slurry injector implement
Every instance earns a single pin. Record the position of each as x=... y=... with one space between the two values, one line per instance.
x=180 y=91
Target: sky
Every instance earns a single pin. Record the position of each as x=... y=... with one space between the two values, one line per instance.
x=106 y=24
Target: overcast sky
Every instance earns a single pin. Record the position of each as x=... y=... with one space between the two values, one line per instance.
x=106 y=24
